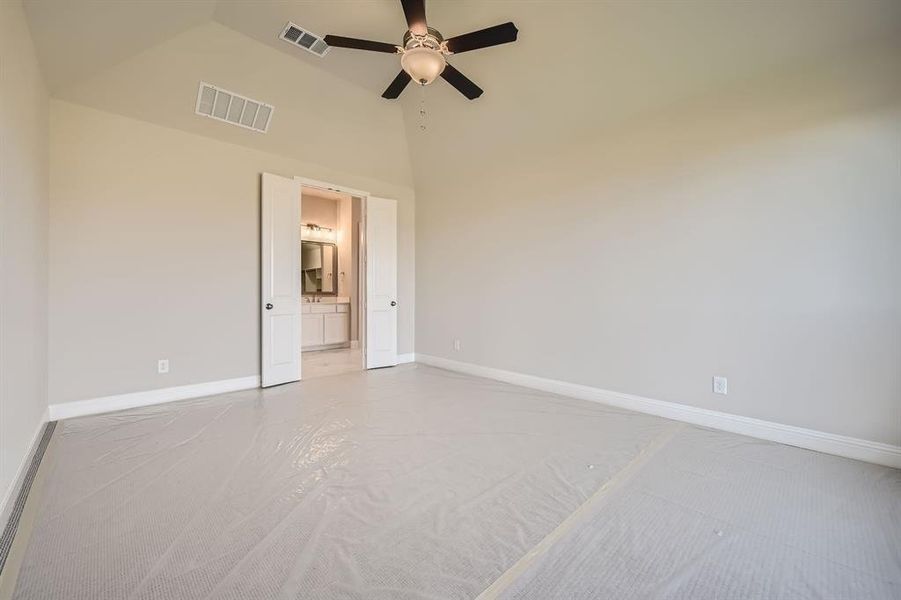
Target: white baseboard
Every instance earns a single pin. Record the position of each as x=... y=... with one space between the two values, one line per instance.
x=94 y=406
x=830 y=443
x=9 y=495
x=406 y=358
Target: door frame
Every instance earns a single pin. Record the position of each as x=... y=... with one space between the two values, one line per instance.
x=361 y=259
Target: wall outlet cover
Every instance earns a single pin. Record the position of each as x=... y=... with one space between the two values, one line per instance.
x=162 y=365
x=457 y=345
x=720 y=385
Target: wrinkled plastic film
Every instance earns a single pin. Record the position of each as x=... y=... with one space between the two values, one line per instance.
x=419 y=483
x=413 y=483
x=718 y=515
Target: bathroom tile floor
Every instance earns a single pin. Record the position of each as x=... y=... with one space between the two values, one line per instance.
x=321 y=363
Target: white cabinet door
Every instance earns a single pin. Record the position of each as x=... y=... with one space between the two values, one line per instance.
x=311 y=330
x=336 y=329
x=280 y=281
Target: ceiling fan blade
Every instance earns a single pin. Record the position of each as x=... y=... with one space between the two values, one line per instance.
x=483 y=38
x=336 y=41
x=461 y=82
x=397 y=86
x=414 y=11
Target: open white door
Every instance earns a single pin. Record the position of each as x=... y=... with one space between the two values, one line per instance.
x=280 y=269
x=381 y=282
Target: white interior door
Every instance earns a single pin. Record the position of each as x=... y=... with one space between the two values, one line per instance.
x=381 y=282
x=280 y=269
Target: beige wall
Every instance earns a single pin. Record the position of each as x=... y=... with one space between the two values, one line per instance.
x=23 y=245
x=321 y=211
x=154 y=253
x=753 y=233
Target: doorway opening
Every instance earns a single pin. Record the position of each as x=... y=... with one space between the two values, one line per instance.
x=328 y=280
x=332 y=280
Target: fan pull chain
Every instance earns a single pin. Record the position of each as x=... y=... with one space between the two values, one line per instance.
x=422 y=111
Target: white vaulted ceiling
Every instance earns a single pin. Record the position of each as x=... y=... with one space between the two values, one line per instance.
x=78 y=39
x=575 y=60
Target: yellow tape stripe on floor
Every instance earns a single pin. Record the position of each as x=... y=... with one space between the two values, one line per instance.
x=511 y=574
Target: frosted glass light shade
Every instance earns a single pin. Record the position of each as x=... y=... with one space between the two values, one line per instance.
x=423 y=64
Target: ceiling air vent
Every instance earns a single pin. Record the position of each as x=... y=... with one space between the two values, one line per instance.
x=297 y=36
x=223 y=105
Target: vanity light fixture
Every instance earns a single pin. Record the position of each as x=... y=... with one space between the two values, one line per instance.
x=313 y=232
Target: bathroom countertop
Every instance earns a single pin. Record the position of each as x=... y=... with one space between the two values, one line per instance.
x=327 y=300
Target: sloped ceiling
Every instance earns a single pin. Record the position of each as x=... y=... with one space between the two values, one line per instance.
x=318 y=118
x=78 y=39
x=576 y=62
x=580 y=69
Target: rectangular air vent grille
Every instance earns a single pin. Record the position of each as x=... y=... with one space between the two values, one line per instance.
x=223 y=105
x=298 y=36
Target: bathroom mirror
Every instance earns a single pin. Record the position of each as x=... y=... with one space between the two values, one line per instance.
x=319 y=268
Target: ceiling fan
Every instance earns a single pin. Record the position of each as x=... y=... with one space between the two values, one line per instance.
x=423 y=55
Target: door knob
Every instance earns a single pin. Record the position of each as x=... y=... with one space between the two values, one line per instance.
x=268 y=306
x=393 y=303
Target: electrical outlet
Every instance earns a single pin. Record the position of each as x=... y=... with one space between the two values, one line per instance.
x=457 y=345
x=720 y=385
x=162 y=365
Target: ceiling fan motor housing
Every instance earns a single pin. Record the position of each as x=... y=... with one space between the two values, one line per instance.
x=433 y=39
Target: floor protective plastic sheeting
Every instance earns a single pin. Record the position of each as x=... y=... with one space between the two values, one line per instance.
x=415 y=482
x=716 y=515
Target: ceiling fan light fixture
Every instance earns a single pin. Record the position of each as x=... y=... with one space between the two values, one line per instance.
x=424 y=51
x=423 y=64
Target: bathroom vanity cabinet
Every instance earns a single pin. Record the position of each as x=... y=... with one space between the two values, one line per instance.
x=325 y=324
